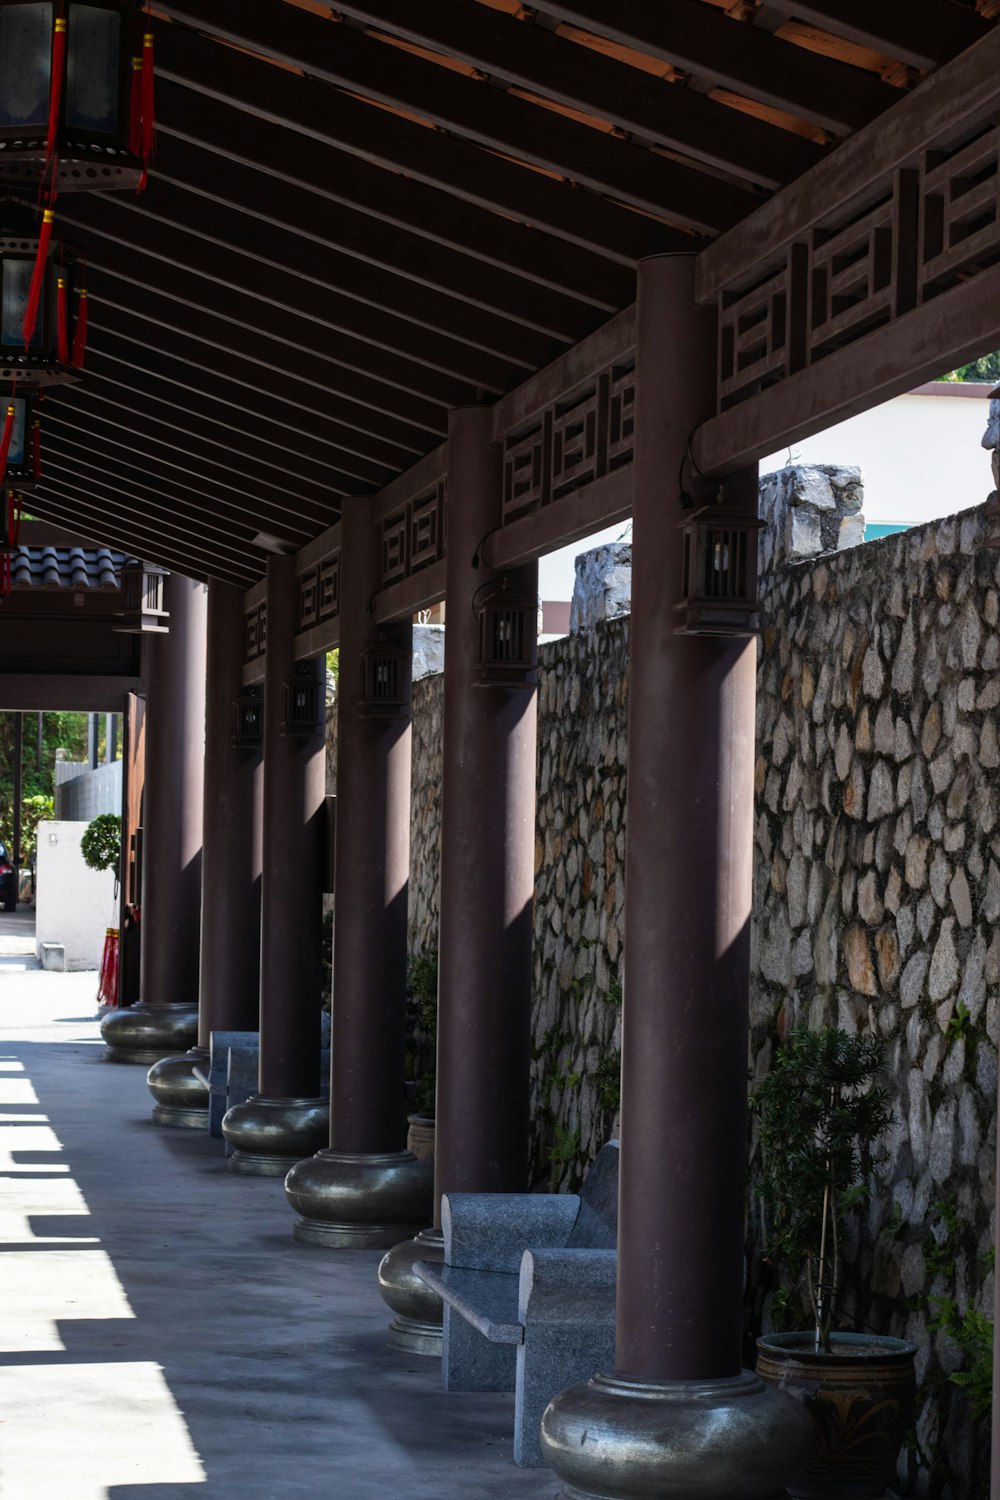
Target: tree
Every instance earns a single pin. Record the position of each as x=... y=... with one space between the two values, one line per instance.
x=986 y=368
x=60 y=731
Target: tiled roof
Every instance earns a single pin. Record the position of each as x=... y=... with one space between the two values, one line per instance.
x=66 y=567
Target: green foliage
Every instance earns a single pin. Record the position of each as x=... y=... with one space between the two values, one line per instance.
x=34 y=810
x=986 y=368
x=607 y=1078
x=960 y=1021
x=60 y=731
x=973 y=1333
x=101 y=844
x=938 y=1248
x=422 y=994
x=564 y=1151
x=822 y=1115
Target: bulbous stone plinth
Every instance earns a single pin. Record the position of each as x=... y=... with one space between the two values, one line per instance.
x=612 y=1438
x=270 y=1135
x=181 y=1098
x=146 y=1033
x=417 y=1326
x=360 y=1202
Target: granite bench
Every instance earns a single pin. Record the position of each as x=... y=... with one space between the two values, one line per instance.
x=231 y=1076
x=528 y=1285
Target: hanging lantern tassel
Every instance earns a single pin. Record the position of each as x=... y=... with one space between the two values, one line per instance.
x=135 y=109
x=148 y=134
x=56 y=86
x=62 y=329
x=80 y=332
x=107 y=985
x=38 y=277
x=8 y=433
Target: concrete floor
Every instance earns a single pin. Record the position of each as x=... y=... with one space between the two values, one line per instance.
x=160 y=1333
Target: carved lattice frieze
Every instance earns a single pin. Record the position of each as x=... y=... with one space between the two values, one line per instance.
x=959 y=213
x=571 y=443
x=413 y=537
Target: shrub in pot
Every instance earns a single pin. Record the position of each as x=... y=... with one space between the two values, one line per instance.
x=822 y=1116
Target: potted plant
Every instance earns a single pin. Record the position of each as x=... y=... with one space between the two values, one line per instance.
x=421 y=994
x=822 y=1116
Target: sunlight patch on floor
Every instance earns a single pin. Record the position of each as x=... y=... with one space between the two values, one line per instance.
x=40 y=1290
x=57 y=1440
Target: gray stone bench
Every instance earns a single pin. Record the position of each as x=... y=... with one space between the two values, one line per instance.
x=232 y=1074
x=528 y=1285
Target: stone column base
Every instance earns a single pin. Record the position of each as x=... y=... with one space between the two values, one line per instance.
x=417 y=1326
x=349 y=1200
x=181 y=1098
x=614 y=1438
x=270 y=1135
x=146 y=1033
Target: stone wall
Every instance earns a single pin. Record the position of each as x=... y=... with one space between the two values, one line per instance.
x=876 y=897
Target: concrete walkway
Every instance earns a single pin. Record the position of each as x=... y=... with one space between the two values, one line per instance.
x=160 y=1333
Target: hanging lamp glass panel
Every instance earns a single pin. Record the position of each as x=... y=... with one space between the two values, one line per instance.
x=95 y=130
x=38 y=364
x=21 y=456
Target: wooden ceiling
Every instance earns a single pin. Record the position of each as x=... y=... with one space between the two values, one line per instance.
x=362 y=215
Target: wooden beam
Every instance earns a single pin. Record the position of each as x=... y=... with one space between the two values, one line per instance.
x=420 y=477
x=959 y=98
x=923 y=35
x=445 y=334
x=614 y=341
x=428 y=214
x=459 y=104
x=605 y=502
x=31 y=692
x=321 y=220
x=382 y=137
x=400 y=601
x=707 y=43
x=279 y=417
x=531 y=57
x=276 y=301
x=158 y=402
x=173 y=324
x=186 y=436
x=956 y=327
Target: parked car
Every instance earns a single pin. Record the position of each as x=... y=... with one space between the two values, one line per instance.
x=8 y=881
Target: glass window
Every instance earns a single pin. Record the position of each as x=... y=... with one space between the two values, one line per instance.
x=14 y=300
x=92 y=68
x=17 y=454
x=25 y=63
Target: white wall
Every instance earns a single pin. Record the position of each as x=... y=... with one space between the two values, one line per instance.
x=73 y=905
x=922 y=454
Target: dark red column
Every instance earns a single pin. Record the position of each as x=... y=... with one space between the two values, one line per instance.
x=166 y=1017
x=487 y=857
x=373 y=856
x=287 y=1120
x=365 y=1189
x=292 y=889
x=677 y=1415
x=688 y=871
x=172 y=799
x=234 y=778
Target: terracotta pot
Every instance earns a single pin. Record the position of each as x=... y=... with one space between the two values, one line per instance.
x=420 y=1137
x=861 y=1398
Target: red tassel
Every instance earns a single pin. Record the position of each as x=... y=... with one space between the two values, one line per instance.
x=8 y=433
x=56 y=85
x=36 y=448
x=80 y=332
x=135 y=109
x=148 y=139
x=62 y=329
x=38 y=277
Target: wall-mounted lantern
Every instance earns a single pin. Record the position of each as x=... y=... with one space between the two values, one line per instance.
x=386 y=669
x=304 y=702
x=719 y=583
x=143 y=590
x=249 y=733
x=75 y=94
x=508 y=638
